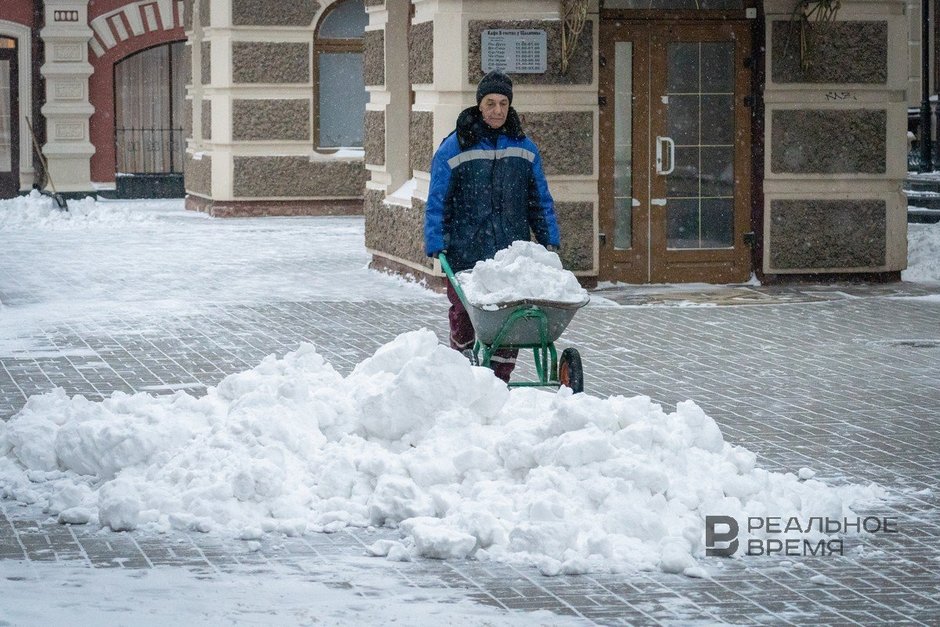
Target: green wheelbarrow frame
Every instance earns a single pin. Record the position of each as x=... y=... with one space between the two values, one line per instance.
x=547 y=362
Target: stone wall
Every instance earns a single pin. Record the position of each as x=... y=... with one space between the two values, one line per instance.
x=821 y=234
x=576 y=225
x=421 y=53
x=395 y=230
x=267 y=13
x=262 y=152
x=197 y=174
x=283 y=177
x=422 y=146
x=270 y=120
x=833 y=141
x=835 y=147
x=565 y=140
x=375 y=137
x=270 y=62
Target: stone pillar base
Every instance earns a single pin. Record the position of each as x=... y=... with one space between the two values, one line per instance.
x=258 y=208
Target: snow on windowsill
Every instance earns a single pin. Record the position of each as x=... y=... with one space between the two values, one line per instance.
x=401 y=197
x=325 y=154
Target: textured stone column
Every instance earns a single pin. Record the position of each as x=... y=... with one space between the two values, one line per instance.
x=254 y=114
x=393 y=223
x=559 y=112
x=835 y=137
x=68 y=149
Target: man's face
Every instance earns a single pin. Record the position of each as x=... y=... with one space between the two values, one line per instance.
x=495 y=108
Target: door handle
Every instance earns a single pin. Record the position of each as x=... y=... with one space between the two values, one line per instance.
x=659 y=155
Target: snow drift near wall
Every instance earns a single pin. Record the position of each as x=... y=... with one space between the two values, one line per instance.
x=414 y=438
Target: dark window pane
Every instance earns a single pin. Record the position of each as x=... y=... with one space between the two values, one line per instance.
x=683 y=68
x=717 y=120
x=721 y=5
x=343 y=98
x=346 y=21
x=685 y=176
x=717 y=223
x=682 y=224
x=683 y=120
x=718 y=67
x=717 y=171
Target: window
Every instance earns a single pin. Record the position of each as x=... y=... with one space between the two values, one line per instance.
x=149 y=94
x=340 y=91
x=9 y=133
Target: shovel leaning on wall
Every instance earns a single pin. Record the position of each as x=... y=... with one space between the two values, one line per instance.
x=57 y=197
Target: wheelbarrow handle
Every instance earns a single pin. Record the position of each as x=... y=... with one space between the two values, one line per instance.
x=445 y=266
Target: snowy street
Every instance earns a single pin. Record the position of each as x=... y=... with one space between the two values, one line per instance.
x=329 y=483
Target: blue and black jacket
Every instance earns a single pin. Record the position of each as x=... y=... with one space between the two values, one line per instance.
x=487 y=191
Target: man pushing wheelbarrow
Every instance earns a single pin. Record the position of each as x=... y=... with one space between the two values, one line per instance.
x=487 y=190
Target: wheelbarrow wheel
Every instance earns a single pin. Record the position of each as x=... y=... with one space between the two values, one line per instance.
x=570 y=372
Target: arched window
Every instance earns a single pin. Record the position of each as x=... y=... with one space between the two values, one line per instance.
x=149 y=94
x=340 y=91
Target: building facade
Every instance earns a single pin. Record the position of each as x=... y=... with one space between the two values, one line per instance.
x=69 y=68
x=681 y=144
x=683 y=140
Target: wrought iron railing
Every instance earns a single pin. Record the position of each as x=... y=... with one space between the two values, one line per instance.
x=149 y=150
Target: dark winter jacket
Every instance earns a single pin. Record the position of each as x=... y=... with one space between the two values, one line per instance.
x=487 y=191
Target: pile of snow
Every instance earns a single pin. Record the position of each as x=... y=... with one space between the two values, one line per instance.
x=415 y=438
x=35 y=210
x=524 y=270
x=923 y=253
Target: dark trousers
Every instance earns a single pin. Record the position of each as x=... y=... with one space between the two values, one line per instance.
x=462 y=337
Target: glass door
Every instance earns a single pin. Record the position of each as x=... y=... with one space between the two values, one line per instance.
x=9 y=114
x=675 y=201
x=149 y=94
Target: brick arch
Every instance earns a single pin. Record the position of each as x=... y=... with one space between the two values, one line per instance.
x=132 y=20
x=120 y=31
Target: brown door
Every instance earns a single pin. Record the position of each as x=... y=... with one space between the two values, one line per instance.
x=9 y=121
x=675 y=152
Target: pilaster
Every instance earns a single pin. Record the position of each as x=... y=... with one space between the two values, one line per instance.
x=66 y=69
x=835 y=127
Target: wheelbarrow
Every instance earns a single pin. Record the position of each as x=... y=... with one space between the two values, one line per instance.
x=524 y=324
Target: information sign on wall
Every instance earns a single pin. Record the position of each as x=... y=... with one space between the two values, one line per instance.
x=514 y=51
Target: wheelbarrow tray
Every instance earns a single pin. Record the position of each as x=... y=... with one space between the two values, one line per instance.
x=488 y=320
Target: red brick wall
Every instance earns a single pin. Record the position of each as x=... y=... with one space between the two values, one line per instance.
x=101 y=82
x=19 y=11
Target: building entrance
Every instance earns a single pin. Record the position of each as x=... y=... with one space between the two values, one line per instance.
x=9 y=120
x=675 y=181
x=149 y=94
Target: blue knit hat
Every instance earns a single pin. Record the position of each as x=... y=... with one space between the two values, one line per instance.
x=495 y=83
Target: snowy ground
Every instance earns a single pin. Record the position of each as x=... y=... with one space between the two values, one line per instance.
x=568 y=484
x=158 y=597
x=923 y=253
x=141 y=259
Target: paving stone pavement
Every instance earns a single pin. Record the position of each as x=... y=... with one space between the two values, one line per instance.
x=846 y=385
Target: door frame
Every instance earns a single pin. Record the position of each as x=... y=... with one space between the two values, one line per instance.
x=648 y=32
x=11 y=54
